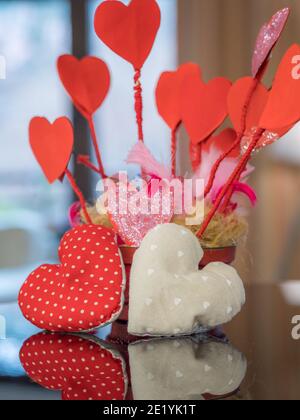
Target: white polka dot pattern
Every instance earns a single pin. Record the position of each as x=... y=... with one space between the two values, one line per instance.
x=82 y=369
x=85 y=291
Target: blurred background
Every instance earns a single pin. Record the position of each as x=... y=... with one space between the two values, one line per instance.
x=217 y=34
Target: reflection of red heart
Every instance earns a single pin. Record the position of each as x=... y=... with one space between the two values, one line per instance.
x=204 y=107
x=134 y=226
x=282 y=108
x=222 y=142
x=238 y=97
x=169 y=92
x=81 y=367
x=52 y=145
x=84 y=292
x=267 y=39
x=129 y=31
x=87 y=81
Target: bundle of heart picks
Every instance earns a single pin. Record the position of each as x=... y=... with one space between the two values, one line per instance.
x=139 y=249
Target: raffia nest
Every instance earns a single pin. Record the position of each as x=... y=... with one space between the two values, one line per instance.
x=223 y=231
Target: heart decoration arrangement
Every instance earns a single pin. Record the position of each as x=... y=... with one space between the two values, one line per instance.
x=82 y=293
x=267 y=39
x=154 y=363
x=82 y=368
x=52 y=145
x=170 y=296
x=87 y=81
x=133 y=226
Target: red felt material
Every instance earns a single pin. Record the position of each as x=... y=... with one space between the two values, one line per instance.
x=84 y=291
x=87 y=81
x=283 y=108
x=223 y=141
x=204 y=107
x=238 y=97
x=80 y=367
x=169 y=92
x=52 y=145
x=129 y=31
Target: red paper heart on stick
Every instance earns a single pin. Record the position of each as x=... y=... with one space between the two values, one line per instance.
x=82 y=293
x=52 y=145
x=204 y=107
x=222 y=142
x=87 y=81
x=239 y=96
x=169 y=93
x=81 y=368
x=129 y=31
x=282 y=108
x=267 y=39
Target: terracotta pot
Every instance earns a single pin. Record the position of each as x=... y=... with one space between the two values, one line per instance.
x=225 y=255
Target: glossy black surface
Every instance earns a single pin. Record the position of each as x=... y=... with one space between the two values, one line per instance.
x=254 y=357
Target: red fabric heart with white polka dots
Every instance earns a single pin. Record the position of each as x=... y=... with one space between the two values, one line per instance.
x=82 y=368
x=85 y=291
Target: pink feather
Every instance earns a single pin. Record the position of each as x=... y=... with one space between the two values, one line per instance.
x=140 y=155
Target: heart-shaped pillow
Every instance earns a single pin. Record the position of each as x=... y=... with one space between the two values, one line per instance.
x=52 y=145
x=82 y=367
x=169 y=296
x=184 y=369
x=82 y=293
x=86 y=81
x=129 y=31
x=204 y=106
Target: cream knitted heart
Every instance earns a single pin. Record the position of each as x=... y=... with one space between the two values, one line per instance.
x=169 y=296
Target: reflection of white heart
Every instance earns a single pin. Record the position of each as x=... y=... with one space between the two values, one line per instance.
x=199 y=305
x=189 y=380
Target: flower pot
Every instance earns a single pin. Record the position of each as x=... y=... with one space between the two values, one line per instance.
x=225 y=255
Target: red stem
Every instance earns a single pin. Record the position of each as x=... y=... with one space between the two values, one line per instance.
x=240 y=168
x=96 y=147
x=174 y=151
x=217 y=165
x=138 y=105
x=214 y=171
x=85 y=161
x=79 y=194
x=195 y=154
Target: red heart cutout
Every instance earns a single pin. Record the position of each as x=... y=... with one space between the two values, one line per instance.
x=129 y=31
x=169 y=92
x=87 y=81
x=204 y=107
x=238 y=97
x=52 y=145
x=81 y=367
x=267 y=39
x=282 y=108
x=222 y=142
x=133 y=226
x=85 y=291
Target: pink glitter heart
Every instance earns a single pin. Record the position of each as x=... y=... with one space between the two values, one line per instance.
x=134 y=226
x=267 y=39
